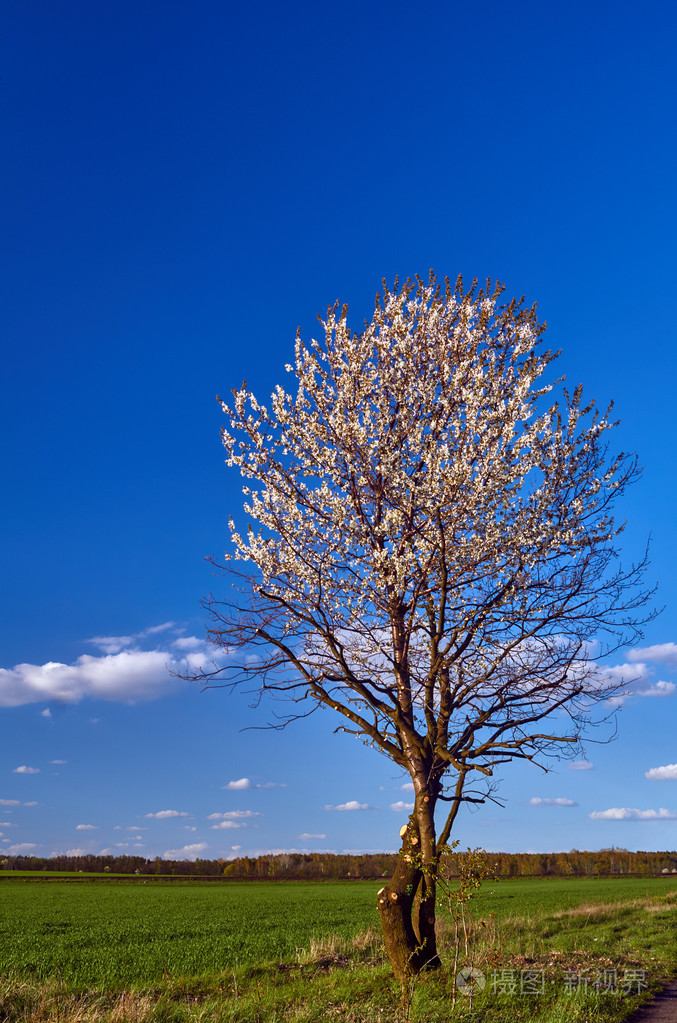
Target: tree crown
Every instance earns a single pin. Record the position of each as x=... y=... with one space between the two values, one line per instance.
x=434 y=553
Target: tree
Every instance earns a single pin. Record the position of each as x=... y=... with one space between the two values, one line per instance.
x=434 y=557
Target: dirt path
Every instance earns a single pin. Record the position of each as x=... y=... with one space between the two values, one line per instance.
x=663 y=1009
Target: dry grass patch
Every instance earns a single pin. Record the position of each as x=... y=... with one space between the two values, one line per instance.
x=598 y=911
x=333 y=951
x=589 y=909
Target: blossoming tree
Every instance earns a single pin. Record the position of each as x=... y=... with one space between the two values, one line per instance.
x=434 y=556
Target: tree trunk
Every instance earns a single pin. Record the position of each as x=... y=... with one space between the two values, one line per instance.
x=424 y=922
x=395 y=903
x=425 y=820
x=406 y=906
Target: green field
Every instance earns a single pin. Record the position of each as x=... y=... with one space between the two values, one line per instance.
x=107 y=934
x=99 y=933
x=286 y=950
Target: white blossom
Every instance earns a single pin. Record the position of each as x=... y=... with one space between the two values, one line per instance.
x=431 y=542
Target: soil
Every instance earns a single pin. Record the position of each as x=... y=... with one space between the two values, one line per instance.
x=663 y=1009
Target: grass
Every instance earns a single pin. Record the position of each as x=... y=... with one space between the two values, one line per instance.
x=111 y=934
x=326 y=959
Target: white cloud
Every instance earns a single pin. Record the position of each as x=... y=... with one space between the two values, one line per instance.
x=122 y=673
x=635 y=678
x=559 y=801
x=89 y=676
x=189 y=827
x=226 y=824
x=159 y=628
x=188 y=852
x=58 y=761
x=46 y=713
x=305 y=835
x=135 y=827
x=666 y=773
x=623 y=813
x=629 y=678
x=233 y=814
x=352 y=804
x=10 y=802
x=21 y=847
x=661 y=653
x=114 y=644
x=7 y=824
x=658 y=689
x=76 y=852
x=624 y=674
x=32 y=803
x=26 y=770
x=235 y=847
x=165 y=814
x=188 y=643
x=86 y=827
x=246 y=783
x=407 y=787
x=130 y=675
x=581 y=765
x=632 y=680
x=111 y=644
x=401 y=807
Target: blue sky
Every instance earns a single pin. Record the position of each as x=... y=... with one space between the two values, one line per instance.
x=183 y=185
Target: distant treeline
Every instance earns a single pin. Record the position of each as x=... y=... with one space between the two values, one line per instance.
x=329 y=866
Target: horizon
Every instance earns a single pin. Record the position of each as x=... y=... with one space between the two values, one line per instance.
x=280 y=853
